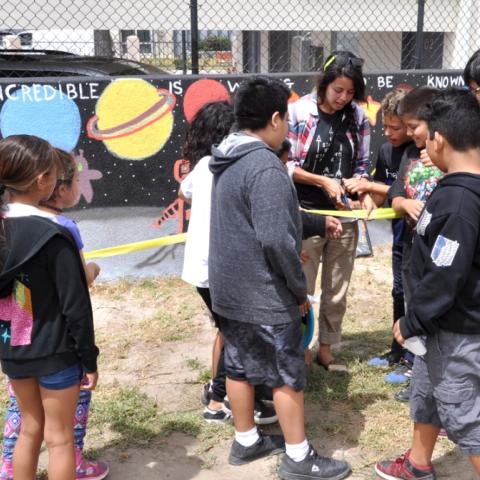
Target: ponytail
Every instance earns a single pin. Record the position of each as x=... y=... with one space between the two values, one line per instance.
x=350 y=110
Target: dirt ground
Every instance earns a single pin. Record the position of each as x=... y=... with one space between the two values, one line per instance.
x=156 y=337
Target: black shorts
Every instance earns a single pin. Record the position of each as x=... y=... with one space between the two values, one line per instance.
x=270 y=355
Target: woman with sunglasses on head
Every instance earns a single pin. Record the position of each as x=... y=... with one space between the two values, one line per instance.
x=330 y=137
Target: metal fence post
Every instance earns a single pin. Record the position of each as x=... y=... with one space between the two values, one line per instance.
x=194 y=35
x=419 y=37
x=184 y=52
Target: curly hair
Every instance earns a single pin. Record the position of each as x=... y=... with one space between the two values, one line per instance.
x=209 y=126
x=392 y=100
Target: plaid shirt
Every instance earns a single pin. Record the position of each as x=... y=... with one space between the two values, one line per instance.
x=302 y=124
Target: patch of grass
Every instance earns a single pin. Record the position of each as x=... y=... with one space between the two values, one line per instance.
x=126 y=411
x=193 y=363
x=355 y=413
x=204 y=376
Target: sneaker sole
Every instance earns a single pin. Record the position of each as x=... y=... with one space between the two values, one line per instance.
x=211 y=420
x=98 y=477
x=266 y=421
x=240 y=461
x=384 y=475
x=298 y=476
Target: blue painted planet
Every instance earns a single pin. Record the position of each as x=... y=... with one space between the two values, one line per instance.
x=43 y=111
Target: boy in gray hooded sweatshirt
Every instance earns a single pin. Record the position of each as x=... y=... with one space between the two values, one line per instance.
x=256 y=281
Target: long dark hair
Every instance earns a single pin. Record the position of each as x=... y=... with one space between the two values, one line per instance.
x=209 y=126
x=342 y=63
x=22 y=159
x=472 y=69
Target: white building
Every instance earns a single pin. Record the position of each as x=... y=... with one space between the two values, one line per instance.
x=268 y=35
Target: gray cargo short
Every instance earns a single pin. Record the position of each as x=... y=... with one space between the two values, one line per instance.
x=270 y=355
x=446 y=388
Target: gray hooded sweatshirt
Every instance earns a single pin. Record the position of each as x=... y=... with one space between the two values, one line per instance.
x=255 y=273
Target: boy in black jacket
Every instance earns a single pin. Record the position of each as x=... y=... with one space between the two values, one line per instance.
x=445 y=304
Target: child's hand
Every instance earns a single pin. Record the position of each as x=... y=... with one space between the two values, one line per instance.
x=333 y=227
x=425 y=159
x=304 y=307
x=397 y=333
x=356 y=185
x=89 y=381
x=413 y=208
x=367 y=204
x=95 y=268
x=304 y=256
x=92 y=271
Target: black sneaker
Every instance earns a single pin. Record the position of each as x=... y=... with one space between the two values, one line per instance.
x=266 y=445
x=404 y=394
x=216 y=416
x=313 y=467
x=207 y=393
x=264 y=414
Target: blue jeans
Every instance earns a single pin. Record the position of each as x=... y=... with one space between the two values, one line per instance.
x=66 y=378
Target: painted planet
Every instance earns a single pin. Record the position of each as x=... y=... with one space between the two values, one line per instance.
x=133 y=118
x=200 y=93
x=43 y=111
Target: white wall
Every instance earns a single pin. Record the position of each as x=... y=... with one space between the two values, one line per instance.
x=79 y=42
x=326 y=15
x=381 y=50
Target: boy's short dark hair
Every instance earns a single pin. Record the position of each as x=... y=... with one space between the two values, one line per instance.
x=455 y=114
x=284 y=147
x=257 y=99
x=472 y=69
x=416 y=100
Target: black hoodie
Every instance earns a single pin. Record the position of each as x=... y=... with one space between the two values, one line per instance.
x=445 y=261
x=46 y=321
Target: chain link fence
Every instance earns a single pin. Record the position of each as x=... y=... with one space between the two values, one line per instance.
x=231 y=36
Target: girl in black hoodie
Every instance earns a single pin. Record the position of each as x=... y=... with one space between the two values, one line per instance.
x=46 y=327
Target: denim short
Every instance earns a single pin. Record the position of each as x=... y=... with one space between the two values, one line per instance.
x=61 y=380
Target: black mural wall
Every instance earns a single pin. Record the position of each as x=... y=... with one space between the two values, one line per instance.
x=127 y=133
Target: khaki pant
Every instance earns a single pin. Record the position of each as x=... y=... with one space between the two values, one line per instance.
x=338 y=256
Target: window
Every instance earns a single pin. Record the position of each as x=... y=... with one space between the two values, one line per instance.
x=145 y=37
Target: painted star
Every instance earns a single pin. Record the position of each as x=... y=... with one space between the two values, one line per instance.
x=371 y=108
x=5 y=336
x=85 y=176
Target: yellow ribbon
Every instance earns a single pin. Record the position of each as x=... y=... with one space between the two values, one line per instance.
x=378 y=214
x=136 y=246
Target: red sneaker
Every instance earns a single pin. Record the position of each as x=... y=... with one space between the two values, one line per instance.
x=403 y=469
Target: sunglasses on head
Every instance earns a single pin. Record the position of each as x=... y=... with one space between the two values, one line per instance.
x=343 y=61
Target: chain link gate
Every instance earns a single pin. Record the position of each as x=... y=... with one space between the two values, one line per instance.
x=233 y=36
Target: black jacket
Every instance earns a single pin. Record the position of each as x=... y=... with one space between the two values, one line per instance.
x=46 y=321
x=445 y=261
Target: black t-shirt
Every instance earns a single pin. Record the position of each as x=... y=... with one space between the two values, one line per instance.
x=337 y=164
x=388 y=162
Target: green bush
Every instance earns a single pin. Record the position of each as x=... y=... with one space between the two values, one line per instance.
x=215 y=43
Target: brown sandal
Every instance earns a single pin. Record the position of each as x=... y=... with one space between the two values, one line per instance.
x=333 y=366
